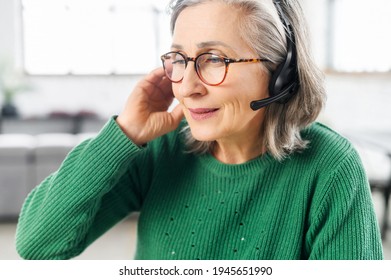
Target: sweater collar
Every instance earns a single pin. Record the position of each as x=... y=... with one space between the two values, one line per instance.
x=254 y=166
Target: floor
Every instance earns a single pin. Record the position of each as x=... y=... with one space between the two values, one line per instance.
x=119 y=242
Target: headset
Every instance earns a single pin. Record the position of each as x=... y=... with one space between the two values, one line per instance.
x=284 y=82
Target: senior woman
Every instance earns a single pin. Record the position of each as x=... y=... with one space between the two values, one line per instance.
x=246 y=174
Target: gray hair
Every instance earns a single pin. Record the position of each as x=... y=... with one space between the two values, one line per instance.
x=262 y=30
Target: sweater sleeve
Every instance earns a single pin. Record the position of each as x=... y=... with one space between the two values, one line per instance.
x=342 y=223
x=91 y=191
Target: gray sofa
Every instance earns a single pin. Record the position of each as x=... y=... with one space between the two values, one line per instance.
x=25 y=160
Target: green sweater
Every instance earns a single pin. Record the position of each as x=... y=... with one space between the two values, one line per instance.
x=314 y=205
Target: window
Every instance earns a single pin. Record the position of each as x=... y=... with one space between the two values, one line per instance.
x=93 y=36
x=360 y=35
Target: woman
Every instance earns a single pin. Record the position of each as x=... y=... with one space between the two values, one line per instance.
x=247 y=174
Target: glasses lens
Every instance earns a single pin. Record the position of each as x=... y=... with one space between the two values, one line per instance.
x=211 y=68
x=174 y=64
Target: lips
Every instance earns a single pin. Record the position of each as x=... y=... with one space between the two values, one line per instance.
x=202 y=113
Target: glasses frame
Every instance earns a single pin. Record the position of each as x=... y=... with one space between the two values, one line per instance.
x=226 y=60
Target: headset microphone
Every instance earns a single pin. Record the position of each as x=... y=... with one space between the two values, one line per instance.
x=258 y=104
x=284 y=81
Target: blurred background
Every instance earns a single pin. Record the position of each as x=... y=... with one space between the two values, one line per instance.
x=66 y=66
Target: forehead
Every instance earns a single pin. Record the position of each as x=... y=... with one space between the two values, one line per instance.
x=206 y=22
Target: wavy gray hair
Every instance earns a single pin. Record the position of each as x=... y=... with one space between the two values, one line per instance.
x=262 y=29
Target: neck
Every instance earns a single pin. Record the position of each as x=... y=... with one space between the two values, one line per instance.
x=240 y=151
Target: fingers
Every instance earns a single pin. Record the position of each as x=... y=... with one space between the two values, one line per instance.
x=177 y=113
x=170 y=121
x=177 y=116
x=157 y=77
x=145 y=116
x=165 y=86
x=156 y=82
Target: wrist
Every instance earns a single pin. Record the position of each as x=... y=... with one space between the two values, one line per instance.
x=129 y=132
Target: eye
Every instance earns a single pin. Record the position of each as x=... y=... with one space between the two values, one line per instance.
x=178 y=60
x=213 y=59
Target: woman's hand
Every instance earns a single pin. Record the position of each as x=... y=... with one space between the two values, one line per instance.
x=145 y=115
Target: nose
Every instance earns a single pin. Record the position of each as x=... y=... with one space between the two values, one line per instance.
x=191 y=83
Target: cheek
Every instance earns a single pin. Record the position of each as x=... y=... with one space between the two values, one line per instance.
x=259 y=88
x=238 y=110
x=247 y=93
x=252 y=86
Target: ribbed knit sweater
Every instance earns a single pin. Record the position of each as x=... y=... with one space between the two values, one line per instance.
x=316 y=204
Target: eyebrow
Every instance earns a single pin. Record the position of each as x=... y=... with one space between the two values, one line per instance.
x=204 y=45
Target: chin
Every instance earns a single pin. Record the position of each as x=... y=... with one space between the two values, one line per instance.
x=203 y=134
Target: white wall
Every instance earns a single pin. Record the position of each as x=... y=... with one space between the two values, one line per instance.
x=359 y=102
x=355 y=102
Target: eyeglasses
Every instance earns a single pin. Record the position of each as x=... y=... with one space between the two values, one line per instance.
x=211 y=68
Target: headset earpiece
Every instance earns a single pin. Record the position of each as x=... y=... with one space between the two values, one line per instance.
x=284 y=81
x=285 y=77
